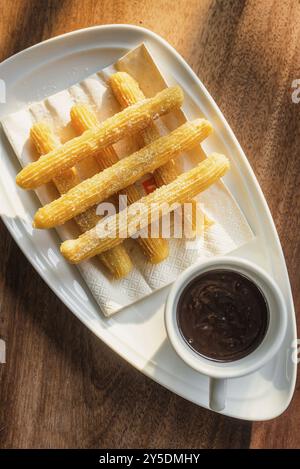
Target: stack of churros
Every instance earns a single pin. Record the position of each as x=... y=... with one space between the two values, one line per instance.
x=79 y=198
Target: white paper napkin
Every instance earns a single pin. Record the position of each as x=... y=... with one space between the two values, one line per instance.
x=229 y=231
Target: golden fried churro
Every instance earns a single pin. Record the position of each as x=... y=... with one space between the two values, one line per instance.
x=182 y=189
x=114 y=128
x=127 y=92
x=116 y=260
x=120 y=175
x=83 y=118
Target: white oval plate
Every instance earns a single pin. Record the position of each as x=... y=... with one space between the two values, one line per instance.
x=138 y=333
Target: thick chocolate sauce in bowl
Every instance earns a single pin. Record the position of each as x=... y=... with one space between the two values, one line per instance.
x=222 y=315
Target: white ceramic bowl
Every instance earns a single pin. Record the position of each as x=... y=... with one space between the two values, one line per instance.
x=275 y=331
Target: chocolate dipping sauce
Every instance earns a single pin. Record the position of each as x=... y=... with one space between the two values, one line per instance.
x=222 y=315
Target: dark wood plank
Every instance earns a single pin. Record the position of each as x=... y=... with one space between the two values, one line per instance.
x=61 y=387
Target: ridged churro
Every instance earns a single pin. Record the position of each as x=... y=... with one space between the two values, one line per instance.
x=114 y=128
x=123 y=225
x=116 y=259
x=127 y=92
x=120 y=175
x=83 y=118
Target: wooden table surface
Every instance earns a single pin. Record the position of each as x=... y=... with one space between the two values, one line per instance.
x=61 y=387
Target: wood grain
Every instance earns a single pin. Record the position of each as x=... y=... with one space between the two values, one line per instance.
x=61 y=387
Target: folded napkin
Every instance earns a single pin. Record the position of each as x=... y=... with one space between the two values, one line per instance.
x=229 y=231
